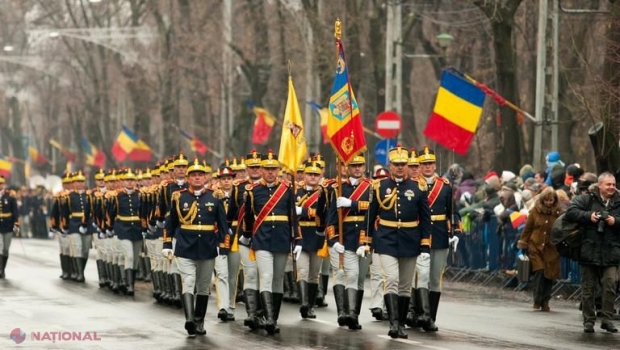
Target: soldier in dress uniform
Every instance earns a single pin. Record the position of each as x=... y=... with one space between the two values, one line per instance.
x=443 y=227
x=177 y=183
x=76 y=212
x=401 y=234
x=271 y=226
x=235 y=216
x=123 y=217
x=114 y=246
x=352 y=242
x=291 y=290
x=167 y=287
x=9 y=222
x=194 y=212
x=308 y=263
x=56 y=227
x=322 y=206
x=226 y=269
x=240 y=169
x=377 y=283
x=98 y=217
x=153 y=241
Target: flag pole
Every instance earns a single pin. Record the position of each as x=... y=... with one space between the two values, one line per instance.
x=337 y=36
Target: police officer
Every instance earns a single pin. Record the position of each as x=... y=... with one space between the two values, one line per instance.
x=56 y=227
x=194 y=212
x=9 y=222
x=443 y=227
x=401 y=234
x=271 y=226
x=308 y=263
x=235 y=216
x=77 y=213
x=352 y=242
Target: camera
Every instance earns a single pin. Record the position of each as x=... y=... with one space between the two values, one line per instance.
x=602 y=216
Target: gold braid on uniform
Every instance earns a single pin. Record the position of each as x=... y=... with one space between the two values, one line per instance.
x=388 y=202
x=302 y=200
x=422 y=184
x=191 y=214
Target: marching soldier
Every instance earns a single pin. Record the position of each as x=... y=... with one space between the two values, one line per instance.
x=322 y=207
x=123 y=217
x=308 y=263
x=98 y=215
x=401 y=234
x=56 y=228
x=226 y=269
x=194 y=212
x=352 y=242
x=114 y=249
x=377 y=283
x=9 y=223
x=77 y=214
x=148 y=200
x=235 y=216
x=271 y=227
x=177 y=182
x=443 y=227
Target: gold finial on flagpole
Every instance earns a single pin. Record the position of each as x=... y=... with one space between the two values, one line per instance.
x=289 y=68
x=337 y=29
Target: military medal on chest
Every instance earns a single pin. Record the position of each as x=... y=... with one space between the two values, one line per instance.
x=409 y=194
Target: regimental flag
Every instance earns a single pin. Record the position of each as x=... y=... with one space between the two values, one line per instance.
x=195 y=143
x=293 y=147
x=125 y=143
x=94 y=156
x=323 y=114
x=141 y=153
x=5 y=167
x=457 y=111
x=517 y=219
x=36 y=156
x=344 y=123
x=70 y=156
x=262 y=125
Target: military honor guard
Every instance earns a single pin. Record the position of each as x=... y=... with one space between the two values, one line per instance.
x=321 y=212
x=76 y=213
x=9 y=223
x=308 y=263
x=443 y=227
x=271 y=227
x=399 y=223
x=194 y=215
x=56 y=225
x=98 y=217
x=377 y=284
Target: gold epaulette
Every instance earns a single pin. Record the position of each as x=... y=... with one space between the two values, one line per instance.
x=301 y=183
x=111 y=193
x=446 y=181
x=218 y=193
x=164 y=183
x=177 y=194
x=327 y=182
x=422 y=184
x=249 y=187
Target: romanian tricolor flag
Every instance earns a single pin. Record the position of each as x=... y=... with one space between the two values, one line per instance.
x=517 y=219
x=195 y=143
x=344 y=123
x=36 y=156
x=323 y=114
x=458 y=108
x=141 y=153
x=262 y=125
x=5 y=166
x=70 y=156
x=129 y=145
x=293 y=146
x=94 y=156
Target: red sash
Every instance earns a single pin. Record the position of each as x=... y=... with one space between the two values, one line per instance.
x=359 y=191
x=268 y=207
x=432 y=196
x=311 y=200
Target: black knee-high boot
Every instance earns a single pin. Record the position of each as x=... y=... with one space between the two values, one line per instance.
x=188 y=308
x=391 y=304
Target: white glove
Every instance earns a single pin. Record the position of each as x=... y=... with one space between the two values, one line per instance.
x=455 y=240
x=95 y=226
x=109 y=233
x=424 y=256
x=361 y=251
x=51 y=234
x=101 y=235
x=167 y=252
x=83 y=229
x=298 y=210
x=16 y=230
x=343 y=202
x=244 y=240
x=144 y=234
x=64 y=232
x=230 y=231
x=152 y=228
x=159 y=224
x=339 y=247
x=322 y=234
x=297 y=252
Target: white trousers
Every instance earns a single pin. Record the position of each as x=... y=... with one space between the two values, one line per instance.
x=195 y=274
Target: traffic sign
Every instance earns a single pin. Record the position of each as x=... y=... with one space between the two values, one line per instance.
x=388 y=124
x=381 y=151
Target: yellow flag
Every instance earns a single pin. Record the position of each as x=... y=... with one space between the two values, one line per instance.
x=293 y=147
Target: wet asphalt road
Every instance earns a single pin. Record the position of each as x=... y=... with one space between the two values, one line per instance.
x=34 y=299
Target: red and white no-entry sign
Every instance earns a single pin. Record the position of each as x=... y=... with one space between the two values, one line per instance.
x=388 y=124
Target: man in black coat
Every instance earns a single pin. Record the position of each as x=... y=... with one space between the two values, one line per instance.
x=598 y=215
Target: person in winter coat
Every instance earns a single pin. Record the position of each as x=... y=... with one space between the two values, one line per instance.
x=598 y=216
x=544 y=258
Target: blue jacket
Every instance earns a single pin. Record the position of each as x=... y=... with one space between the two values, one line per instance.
x=9 y=214
x=354 y=223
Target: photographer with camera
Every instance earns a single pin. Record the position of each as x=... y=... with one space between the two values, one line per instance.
x=598 y=215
